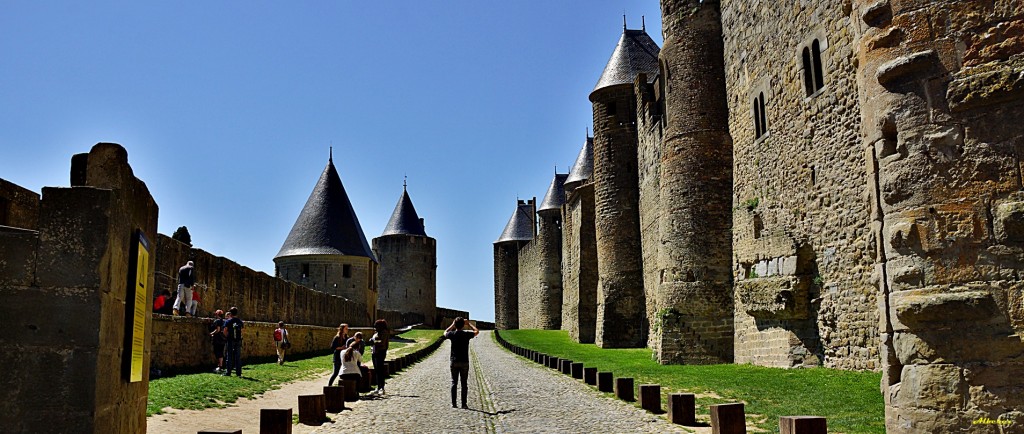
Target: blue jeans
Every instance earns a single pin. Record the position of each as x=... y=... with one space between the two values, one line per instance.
x=378 y=367
x=233 y=357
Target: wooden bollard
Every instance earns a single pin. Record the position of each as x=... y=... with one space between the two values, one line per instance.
x=237 y=431
x=544 y=359
x=728 y=419
x=387 y=369
x=351 y=391
x=624 y=389
x=553 y=363
x=311 y=409
x=276 y=420
x=334 y=398
x=566 y=367
x=650 y=397
x=364 y=380
x=590 y=376
x=681 y=408
x=802 y=425
x=605 y=382
x=576 y=370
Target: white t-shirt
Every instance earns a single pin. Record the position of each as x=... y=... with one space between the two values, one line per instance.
x=351 y=366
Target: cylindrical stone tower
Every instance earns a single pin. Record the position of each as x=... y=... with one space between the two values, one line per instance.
x=621 y=312
x=549 y=239
x=519 y=231
x=695 y=301
x=408 y=262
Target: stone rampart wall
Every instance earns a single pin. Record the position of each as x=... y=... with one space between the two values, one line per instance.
x=19 y=206
x=224 y=283
x=804 y=179
x=530 y=288
x=579 y=265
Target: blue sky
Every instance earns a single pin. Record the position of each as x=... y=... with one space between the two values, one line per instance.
x=227 y=110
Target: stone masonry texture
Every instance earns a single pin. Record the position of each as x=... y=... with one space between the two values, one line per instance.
x=621 y=309
x=408 y=282
x=871 y=216
x=579 y=265
x=65 y=301
x=940 y=91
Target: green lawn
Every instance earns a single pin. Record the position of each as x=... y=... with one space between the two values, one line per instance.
x=851 y=401
x=199 y=391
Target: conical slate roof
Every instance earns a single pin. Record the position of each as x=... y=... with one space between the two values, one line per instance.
x=583 y=168
x=555 y=196
x=635 y=53
x=327 y=224
x=520 y=225
x=405 y=221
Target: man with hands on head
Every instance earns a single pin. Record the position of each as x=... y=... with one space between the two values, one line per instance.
x=460 y=355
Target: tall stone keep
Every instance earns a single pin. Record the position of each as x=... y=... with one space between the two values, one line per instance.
x=519 y=231
x=579 y=249
x=621 y=312
x=326 y=249
x=942 y=100
x=408 y=263
x=694 y=258
x=540 y=268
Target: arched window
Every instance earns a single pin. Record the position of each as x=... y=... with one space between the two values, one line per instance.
x=760 y=119
x=814 y=76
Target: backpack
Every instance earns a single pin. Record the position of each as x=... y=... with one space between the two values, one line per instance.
x=277 y=334
x=235 y=330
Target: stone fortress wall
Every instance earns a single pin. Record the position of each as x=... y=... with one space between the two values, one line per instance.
x=800 y=216
x=873 y=200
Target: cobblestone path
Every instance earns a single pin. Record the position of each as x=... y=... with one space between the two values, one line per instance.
x=507 y=394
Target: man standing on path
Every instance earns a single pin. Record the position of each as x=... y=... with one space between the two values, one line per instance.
x=460 y=355
x=186 y=279
x=233 y=332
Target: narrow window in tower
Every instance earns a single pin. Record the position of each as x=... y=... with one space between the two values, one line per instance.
x=757 y=119
x=610 y=109
x=760 y=120
x=764 y=116
x=808 y=72
x=305 y=271
x=346 y=271
x=819 y=79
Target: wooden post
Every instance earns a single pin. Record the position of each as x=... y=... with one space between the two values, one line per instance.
x=364 y=380
x=650 y=397
x=351 y=391
x=604 y=382
x=681 y=408
x=237 y=431
x=802 y=425
x=334 y=398
x=553 y=362
x=311 y=409
x=624 y=388
x=590 y=376
x=577 y=370
x=566 y=367
x=276 y=420
x=728 y=419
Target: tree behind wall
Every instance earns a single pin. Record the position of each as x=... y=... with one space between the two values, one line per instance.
x=181 y=234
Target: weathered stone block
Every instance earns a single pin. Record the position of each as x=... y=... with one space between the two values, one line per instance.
x=1009 y=222
x=782 y=297
x=943 y=304
x=938 y=387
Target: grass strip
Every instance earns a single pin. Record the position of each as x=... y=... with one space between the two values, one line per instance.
x=201 y=391
x=850 y=401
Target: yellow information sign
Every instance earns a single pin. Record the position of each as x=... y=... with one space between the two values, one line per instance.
x=138 y=342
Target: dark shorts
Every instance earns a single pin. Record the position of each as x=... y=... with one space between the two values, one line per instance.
x=218 y=349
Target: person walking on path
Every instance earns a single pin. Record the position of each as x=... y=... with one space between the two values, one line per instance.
x=218 y=339
x=460 y=356
x=186 y=280
x=281 y=341
x=338 y=345
x=381 y=340
x=352 y=361
x=233 y=333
